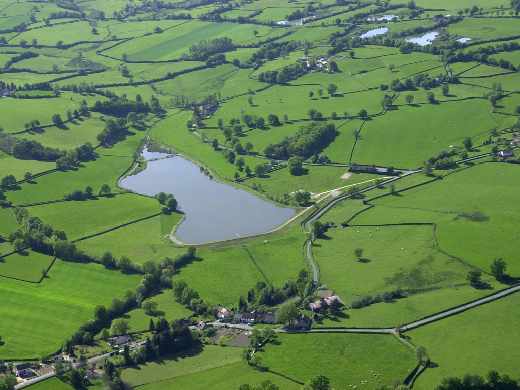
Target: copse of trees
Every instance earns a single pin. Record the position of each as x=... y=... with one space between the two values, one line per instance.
x=204 y=49
x=121 y=106
x=286 y=74
x=168 y=201
x=274 y=50
x=308 y=141
x=190 y=298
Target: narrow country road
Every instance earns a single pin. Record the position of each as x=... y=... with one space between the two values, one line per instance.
x=461 y=308
x=423 y=321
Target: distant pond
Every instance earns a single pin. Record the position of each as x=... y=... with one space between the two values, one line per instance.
x=214 y=211
x=374 y=33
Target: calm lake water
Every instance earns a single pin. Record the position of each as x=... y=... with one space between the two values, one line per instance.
x=374 y=32
x=213 y=211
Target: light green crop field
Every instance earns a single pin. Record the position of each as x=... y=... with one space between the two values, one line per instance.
x=68 y=298
x=84 y=218
x=107 y=169
x=343 y=357
x=142 y=241
x=485 y=28
x=175 y=42
x=17 y=112
x=408 y=143
x=75 y=134
x=475 y=354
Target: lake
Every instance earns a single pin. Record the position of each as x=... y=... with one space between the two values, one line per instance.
x=425 y=39
x=214 y=211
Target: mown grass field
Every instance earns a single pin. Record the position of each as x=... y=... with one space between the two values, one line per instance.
x=84 y=218
x=67 y=297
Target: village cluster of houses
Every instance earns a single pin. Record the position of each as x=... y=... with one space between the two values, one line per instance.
x=319 y=63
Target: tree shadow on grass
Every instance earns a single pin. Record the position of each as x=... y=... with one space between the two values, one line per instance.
x=197 y=349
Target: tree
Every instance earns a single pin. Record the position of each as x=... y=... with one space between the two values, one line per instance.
x=295 y=166
x=288 y=313
x=56 y=119
x=303 y=198
x=474 y=278
x=8 y=181
x=358 y=252
x=319 y=382
x=468 y=144
x=311 y=94
x=409 y=99
x=273 y=120
x=515 y=5
x=104 y=190
x=120 y=327
x=431 y=98
x=445 y=89
x=363 y=114
x=171 y=204
x=149 y=307
x=332 y=89
x=498 y=269
x=319 y=229
x=108 y=260
x=260 y=170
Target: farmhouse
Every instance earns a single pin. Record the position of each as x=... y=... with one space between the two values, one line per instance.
x=505 y=153
x=119 y=341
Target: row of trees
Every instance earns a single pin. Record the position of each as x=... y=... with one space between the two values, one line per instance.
x=286 y=74
x=88 y=193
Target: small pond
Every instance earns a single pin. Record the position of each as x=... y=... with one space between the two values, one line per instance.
x=384 y=18
x=425 y=39
x=213 y=211
x=375 y=32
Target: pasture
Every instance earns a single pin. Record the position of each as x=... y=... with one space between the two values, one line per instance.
x=343 y=357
